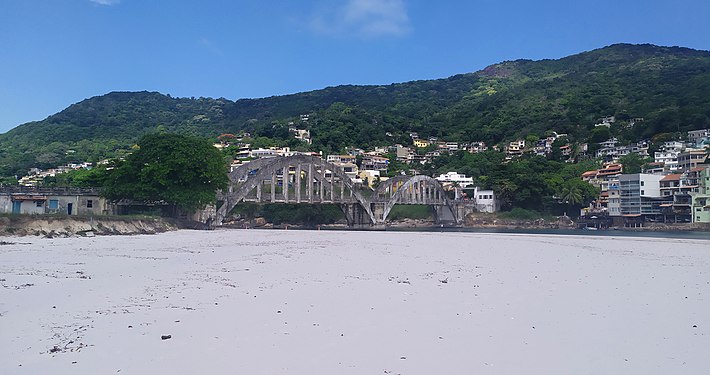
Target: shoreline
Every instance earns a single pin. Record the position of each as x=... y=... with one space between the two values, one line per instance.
x=696 y=233
x=82 y=226
x=77 y=226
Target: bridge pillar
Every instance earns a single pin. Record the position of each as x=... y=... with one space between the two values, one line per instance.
x=378 y=211
x=463 y=209
x=322 y=182
x=332 y=186
x=355 y=214
x=310 y=183
x=298 y=183
x=284 y=183
x=444 y=215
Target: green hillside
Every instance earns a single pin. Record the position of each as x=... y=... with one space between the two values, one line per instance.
x=668 y=86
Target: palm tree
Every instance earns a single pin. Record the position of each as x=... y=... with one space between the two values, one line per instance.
x=571 y=194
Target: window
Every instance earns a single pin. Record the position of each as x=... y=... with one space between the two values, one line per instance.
x=53 y=204
x=89 y=203
x=642 y=193
x=39 y=203
x=641 y=183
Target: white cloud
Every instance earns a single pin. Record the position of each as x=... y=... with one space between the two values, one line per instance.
x=367 y=18
x=106 y=2
x=210 y=46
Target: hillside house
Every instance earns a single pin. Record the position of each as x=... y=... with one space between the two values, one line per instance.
x=338 y=159
x=375 y=163
x=690 y=159
x=421 y=143
x=455 y=179
x=514 y=149
x=371 y=177
x=476 y=147
x=695 y=136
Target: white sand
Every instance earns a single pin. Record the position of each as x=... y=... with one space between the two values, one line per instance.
x=293 y=302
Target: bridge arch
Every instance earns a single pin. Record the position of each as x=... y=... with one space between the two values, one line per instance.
x=250 y=177
x=418 y=189
x=324 y=182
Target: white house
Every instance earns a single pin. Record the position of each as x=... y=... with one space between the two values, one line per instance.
x=451 y=178
x=485 y=200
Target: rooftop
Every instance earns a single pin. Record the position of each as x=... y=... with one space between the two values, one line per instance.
x=671 y=177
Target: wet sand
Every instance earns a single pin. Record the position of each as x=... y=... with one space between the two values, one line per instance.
x=330 y=302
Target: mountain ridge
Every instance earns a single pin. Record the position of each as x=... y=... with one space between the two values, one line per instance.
x=666 y=85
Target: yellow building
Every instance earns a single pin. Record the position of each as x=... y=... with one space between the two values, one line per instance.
x=421 y=143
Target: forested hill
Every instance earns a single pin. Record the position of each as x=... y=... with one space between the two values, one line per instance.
x=668 y=86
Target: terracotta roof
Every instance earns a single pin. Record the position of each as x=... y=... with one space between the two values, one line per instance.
x=610 y=170
x=589 y=173
x=672 y=177
x=607 y=173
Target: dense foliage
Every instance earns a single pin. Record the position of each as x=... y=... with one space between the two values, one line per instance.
x=180 y=170
x=668 y=87
x=301 y=214
x=531 y=182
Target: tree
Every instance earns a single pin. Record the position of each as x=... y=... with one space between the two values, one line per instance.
x=184 y=171
x=576 y=193
x=631 y=163
x=571 y=194
x=82 y=178
x=600 y=134
x=532 y=139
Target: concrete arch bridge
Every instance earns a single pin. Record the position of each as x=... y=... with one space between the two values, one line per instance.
x=305 y=179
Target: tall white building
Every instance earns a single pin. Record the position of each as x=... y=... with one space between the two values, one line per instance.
x=454 y=177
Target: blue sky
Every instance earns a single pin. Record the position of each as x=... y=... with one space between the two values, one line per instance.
x=57 y=52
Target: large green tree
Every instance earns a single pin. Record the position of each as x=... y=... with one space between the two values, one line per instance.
x=632 y=163
x=177 y=169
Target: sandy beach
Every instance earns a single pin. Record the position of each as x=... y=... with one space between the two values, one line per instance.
x=331 y=302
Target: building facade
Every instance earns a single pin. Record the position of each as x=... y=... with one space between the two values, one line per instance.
x=700 y=200
x=640 y=194
x=42 y=201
